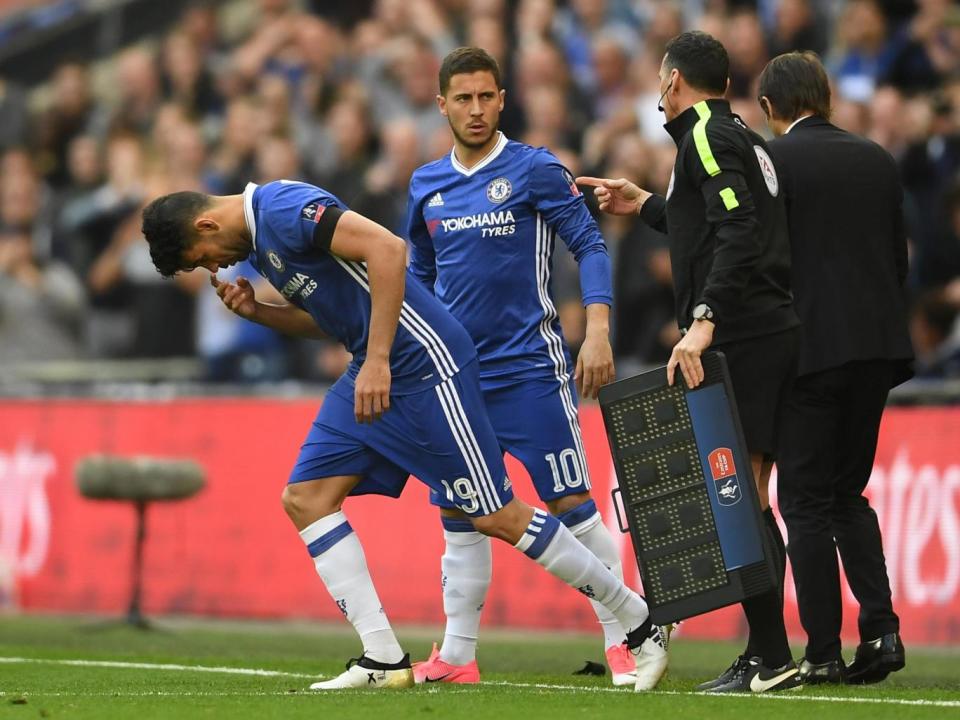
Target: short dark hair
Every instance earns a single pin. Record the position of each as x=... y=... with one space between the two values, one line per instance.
x=796 y=83
x=467 y=60
x=701 y=59
x=167 y=226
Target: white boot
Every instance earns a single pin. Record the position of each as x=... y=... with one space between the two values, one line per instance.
x=365 y=674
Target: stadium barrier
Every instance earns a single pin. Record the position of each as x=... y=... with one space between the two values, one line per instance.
x=231 y=551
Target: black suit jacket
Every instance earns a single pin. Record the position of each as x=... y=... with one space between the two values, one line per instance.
x=848 y=246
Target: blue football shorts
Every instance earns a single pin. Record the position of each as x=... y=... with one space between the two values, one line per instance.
x=536 y=421
x=441 y=436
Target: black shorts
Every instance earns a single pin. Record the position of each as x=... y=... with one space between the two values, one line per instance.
x=761 y=370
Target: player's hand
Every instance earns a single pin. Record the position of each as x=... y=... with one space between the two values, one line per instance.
x=686 y=353
x=371 y=395
x=617 y=197
x=239 y=297
x=594 y=365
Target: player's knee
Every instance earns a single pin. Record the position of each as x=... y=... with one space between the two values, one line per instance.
x=492 y=526
x=291 y=501
x=508 y=523
x=568 y=502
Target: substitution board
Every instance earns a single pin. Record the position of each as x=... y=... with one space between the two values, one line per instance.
x=687 y=491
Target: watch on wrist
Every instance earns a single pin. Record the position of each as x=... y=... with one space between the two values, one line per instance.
x=703 y=312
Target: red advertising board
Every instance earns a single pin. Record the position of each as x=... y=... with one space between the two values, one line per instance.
x=230 y=550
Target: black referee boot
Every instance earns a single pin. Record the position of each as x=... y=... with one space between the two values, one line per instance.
x=736 y=669
x=755 y=677
x=875 y=659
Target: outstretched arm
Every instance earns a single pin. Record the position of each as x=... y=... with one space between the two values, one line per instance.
x=622 y=197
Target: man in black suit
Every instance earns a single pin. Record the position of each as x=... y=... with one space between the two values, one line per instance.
x=849 y=261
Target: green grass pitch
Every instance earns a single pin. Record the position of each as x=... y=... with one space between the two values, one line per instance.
x=74 y=668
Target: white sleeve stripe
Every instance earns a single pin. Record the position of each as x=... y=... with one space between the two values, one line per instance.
x=554 y=343
x=436 y=354
x=484 y=481
x=426 y=332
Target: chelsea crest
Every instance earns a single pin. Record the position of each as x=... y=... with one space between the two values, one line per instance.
x=499 y=190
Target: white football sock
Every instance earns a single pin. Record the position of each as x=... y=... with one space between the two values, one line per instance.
x=553 y=546
x=466 y=566
x=342 y=566
x=596 y=537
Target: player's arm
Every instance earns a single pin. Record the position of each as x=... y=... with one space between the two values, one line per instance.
x=557 y=198
x=351 y=236
x=423 y=257
x=621 y=197
x=719 y=173
x=240 y=297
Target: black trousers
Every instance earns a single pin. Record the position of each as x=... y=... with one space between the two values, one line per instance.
x=828 y=439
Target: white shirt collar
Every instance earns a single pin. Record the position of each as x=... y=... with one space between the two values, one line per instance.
x=248 y=214
x=488 y=158
x=794 y=123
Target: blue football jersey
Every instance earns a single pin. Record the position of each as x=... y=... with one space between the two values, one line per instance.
x=482 y=239
x=429 y=347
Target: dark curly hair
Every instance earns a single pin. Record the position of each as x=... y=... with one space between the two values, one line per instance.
x=167 y=227
x=701 y=59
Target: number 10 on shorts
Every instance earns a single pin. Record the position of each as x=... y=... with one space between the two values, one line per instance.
x=569 y=465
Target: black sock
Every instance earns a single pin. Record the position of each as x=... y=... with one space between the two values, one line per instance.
x=779 y=548
x=768 y=636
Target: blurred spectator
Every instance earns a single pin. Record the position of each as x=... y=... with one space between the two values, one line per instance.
x=138 y=87
x=41 y=301
x=24 y=207
x=92 y=222
x=41 y=305
x=864 y=55
x=539 y=64
x=935 y=335
x=233 y=163
x=929 y=171
x=185 y=79
x=797 y=26
x=384 y=195
x=747 y=47
x=610 y=63
x=277 y=159
x=85 y=174
x=13 y=115
x=339 y=158
x=581 y=24
x=927 y=49
x=72 y=112
x=886 y=125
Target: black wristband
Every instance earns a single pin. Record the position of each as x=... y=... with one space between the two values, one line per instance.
x=326 y=225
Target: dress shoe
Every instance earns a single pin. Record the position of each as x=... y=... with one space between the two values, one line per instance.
x=833 y=671
x=875 y=659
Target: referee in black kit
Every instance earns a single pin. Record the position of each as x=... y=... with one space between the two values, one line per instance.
x=849 y=261
x=731 y=270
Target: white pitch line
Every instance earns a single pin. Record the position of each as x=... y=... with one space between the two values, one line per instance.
x=787 y=697
x=762 y=696
x=157 y=666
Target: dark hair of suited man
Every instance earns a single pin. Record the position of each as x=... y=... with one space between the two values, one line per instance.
x=795 y=84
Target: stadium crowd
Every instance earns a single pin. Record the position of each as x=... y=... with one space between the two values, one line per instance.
x=343 y=95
